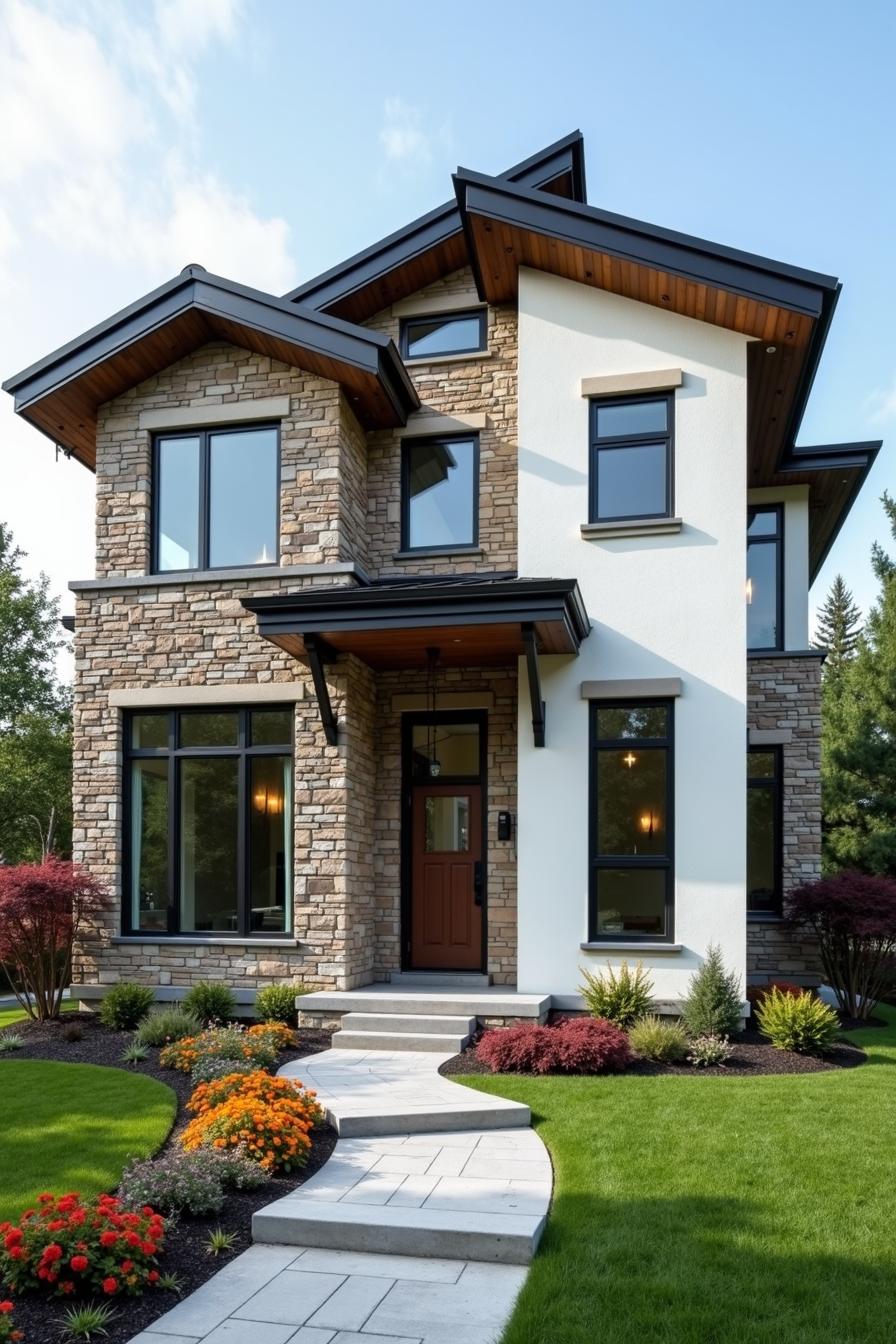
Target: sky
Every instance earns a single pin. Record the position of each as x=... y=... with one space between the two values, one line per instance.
x=270 y=139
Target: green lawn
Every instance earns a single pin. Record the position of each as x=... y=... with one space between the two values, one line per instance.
x=73 y=1127
x=716 y=1210
x=10 y=1015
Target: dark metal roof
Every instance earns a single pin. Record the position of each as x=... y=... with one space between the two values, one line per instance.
x=563 y=161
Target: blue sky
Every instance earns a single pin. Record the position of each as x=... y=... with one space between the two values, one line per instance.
x=268 y=139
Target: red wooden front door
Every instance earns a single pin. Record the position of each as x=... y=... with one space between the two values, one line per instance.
x=446 y=877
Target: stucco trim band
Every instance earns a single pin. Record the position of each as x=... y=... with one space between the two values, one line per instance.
x=619 y=384
x=770 y=737
x=650 y=688
x=221 y=413
x=270 y=692
x=419 y=426
x=633 y=527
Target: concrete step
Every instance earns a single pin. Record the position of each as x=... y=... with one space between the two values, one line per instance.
x=509 y=1239
x=362 y=1122
x=483 y=1003
x=439 y=980
x=410 y=1022
x=398 y=1040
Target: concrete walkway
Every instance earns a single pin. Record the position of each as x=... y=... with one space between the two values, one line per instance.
x=416 y=1231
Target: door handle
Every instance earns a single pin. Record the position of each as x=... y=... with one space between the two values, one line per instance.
x=477 y=882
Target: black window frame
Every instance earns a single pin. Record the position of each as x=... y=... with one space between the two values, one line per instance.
x=773 y=539
x=204 y=435
x=619 y=442
x=434 y=439
x=773 y=785
x=245 y=752
x=598 y=861
x=407 y=324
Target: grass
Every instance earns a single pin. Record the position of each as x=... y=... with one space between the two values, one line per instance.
x=73 y=1127
x=715 y=1210
x=10 y=1015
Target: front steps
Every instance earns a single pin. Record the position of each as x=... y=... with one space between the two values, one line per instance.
x=439 y=1020
x=404 y=1031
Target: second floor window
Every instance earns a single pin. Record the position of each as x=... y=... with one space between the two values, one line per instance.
x=631 y=457
x=440 y=494
x=765 y=577
x=444 y=334
x=216 y=500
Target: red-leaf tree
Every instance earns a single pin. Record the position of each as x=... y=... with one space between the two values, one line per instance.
x=42 y=909
x=853 y=915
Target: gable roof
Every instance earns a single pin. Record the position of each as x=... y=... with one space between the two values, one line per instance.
x=433 y=245
x=60 y=394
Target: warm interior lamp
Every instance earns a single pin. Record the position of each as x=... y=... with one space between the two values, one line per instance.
x=629 y=758
x=649 y=822
x=268 y=801
x=749 y=591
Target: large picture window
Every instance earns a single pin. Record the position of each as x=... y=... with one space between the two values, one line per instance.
x=440 y=494
x=764 y=831
x=216 y=499
x=631 y=821
x=765 y=577
x=208 y=821
x=631 y=457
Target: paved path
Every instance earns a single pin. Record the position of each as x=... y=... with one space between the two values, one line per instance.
x=410 y=1236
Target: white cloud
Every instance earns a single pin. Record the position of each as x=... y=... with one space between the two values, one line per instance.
x=402 y=135
x=881 y=404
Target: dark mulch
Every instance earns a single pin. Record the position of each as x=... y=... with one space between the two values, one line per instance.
x=752 y=1056
x=185 y=1253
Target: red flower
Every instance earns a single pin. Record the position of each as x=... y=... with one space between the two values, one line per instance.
x=132 y=1239
x=16 y=1252
x=5 y=1308
x=14 y=1238
x=148 y=1210
x=56 y=1225
x=108 y=1238
x=110 y=1286
x=127 y=1266
x=79 y=1263
x=67 y=1204
x=153 y=1276
x=52 y=1253
x=67 y=1286
x=148 y=1247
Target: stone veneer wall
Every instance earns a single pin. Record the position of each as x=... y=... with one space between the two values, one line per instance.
x=500 y=686
x=322 y=458
x=479 y=383
x=784 y=697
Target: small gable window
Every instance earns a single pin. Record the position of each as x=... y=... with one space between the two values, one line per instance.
x=631 y=457
x=440 y=493
x=444 y=334
x=216 y=499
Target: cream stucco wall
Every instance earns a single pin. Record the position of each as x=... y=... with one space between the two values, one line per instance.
x=661 y=606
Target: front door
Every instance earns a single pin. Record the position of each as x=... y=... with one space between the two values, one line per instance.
x=446 y=877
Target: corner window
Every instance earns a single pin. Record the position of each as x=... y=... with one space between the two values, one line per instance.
x=216 y=499
x=631 y=457
x=440 y=494
x=765 y=577
x=444 y=334
x=631 y=821
x=208 y=822
x=764 y=831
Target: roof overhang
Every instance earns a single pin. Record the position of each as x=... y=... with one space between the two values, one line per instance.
x=391 y=625
x=60 y=394
x=834 y=473
x=433 y=245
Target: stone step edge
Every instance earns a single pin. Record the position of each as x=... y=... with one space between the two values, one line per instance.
x=435 y=1233
x=412 y=1022
x=379 y=1125
x=405 y=1003
x=403 y=1041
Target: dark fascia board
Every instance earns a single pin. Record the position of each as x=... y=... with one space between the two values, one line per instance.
x=633 y=240
x=857 y=458
x=365 y=267
x=389 y=607
x=196 y=288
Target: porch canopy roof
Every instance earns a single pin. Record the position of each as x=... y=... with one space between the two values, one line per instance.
x=470 y=621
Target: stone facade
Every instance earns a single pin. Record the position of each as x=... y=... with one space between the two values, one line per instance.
x=481 y=383
x=784 y=704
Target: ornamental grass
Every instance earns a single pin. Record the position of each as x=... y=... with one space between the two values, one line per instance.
x=269 y=1119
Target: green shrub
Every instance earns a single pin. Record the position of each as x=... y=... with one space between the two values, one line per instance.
x=797 y=1022
x=619 y=998
x=167 y=1024
x=211 y=1001
x=713 y=1006
x=277 y=1003
x=652 y=1038
x=124 y=1006
x=134 y=1054
x=709 y=1051
x=220 y=1043
x=11 y=1040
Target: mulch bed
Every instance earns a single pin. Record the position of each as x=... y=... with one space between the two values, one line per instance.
x=185 y=1253
x=752 y=1057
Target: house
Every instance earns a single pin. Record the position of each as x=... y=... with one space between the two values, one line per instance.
x=450 y=612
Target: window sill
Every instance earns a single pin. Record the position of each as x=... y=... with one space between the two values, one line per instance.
x=764 y=917
x=205 y=940
x=631 y=527
x=261 y=573
x=465 y=357
x=634 y=946
x=436 y=552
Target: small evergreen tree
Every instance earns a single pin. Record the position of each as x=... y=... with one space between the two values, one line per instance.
x=859 y=738
x=713 y=1006
x=839 y=624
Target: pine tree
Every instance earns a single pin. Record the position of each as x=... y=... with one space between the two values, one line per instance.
x=838 y=627
x=859 y=744
x=713 y=1004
